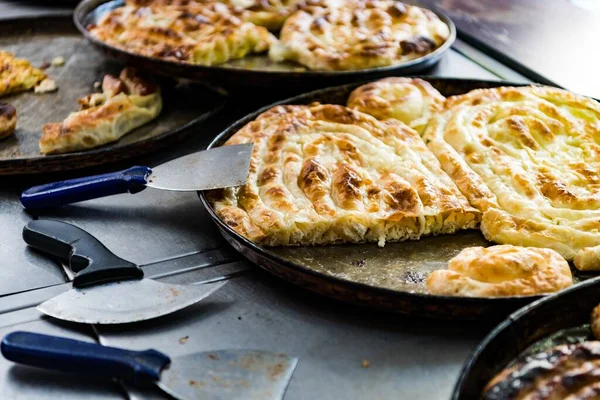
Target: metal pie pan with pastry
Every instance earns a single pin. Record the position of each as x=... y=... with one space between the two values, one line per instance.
x=391 y=277
x=559 y=319
x=253 y=70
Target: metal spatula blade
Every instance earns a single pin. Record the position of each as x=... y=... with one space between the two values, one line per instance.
x=124 y=302
x=229 y=375
x=220 y=167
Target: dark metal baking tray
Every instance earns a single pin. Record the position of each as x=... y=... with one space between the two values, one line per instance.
x=557 y=319
x=390 y=278
x=256 y=70
x=41 y=39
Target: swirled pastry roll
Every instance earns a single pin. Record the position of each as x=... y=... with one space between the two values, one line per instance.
x=197 y=33
x=410 y=100
x=325 y=174
x=268 y=13
x=569 y=372
x=528 y=158
x=499 y=271
x=125 y=103
x=358 y=34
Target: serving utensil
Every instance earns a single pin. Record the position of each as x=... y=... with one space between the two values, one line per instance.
x=221 y=374
x=106 y=289
x=224 y=167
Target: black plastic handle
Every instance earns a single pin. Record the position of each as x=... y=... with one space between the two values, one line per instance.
x=92 y=262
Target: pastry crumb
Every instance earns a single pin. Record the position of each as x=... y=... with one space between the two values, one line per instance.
x=97 y=85
x=366 y=363
x=58 y=61
x=183 y=339
x=45 y=65
x=46 y=86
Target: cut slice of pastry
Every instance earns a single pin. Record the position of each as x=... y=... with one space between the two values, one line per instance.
x=8 y=120
x=336 y=35
x=197 y=33
x=125 y=103
x=17 y=74
x=500 y=271
x=410 y=100
x=529 y=159
x=268 y=13
x=325 y=174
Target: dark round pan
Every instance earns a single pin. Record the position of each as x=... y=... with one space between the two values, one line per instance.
x=333 y=271
x=253 y=70
x=557 y=319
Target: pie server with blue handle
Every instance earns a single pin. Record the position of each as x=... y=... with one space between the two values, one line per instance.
x=215 y=375
x=221 y=167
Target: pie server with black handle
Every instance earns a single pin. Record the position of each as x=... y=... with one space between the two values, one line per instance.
x=216 y=375
x=106 y=289
x=221 y=167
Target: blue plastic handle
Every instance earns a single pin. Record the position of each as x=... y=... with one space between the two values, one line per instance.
x=132 y=180
x=142 y=368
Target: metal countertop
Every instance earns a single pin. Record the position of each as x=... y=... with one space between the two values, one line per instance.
x=409 y=358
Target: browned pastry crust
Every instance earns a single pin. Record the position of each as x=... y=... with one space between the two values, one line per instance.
x=125 y=103
x=570 y=372
x=595 y=322
x=335 y=35
x=529 y=159
x=410 y=100
x=500 y=271
x=197 y=33
x=324 y=174
x=8 y=120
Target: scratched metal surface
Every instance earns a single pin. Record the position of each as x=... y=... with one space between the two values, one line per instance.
x=409 y=358
x=41 y=40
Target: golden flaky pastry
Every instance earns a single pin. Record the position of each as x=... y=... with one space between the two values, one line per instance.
x=125 y=103
x=595 y=322
x=8 y=120
x=357 y=34
x=197 y=33
x=529 y=159
x=325 y=174
x=499 y=271
x=17 y=74
x=268 y=13
x=410 y=100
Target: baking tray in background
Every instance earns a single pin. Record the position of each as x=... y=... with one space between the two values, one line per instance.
x=391 y=278
x=254 y=70
x=41 y=39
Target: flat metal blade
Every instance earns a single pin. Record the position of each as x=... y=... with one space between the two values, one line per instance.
x=221 y=167
x=229 y=375
x=125 y=301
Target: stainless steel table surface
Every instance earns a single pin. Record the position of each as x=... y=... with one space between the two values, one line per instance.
x=409 y=358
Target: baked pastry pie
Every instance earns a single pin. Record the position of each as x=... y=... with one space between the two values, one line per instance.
x=268 y=13
x=563 y=372
x=325 y=174
x=17 y=74
x=410 y=100
x=499 y=271
x=8 y=120
x=338 y=35
x=125 y=103
x=197 y=33
x=529 y=159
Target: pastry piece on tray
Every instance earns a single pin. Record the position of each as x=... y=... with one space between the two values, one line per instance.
x=268 y=13
x=125 y=103
x=325 y=174
x=337 y=35
x=8 y=120
x=562 y=372
x=18 y=75
x=499 y=271
x=197 y=33
x=410 y=100
x=529 y=159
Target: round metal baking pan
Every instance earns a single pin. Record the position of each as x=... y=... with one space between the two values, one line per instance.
x=254 y=70
x=556 y=319
x=390 y=278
